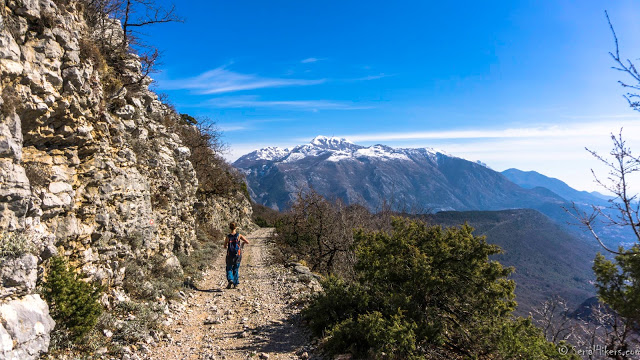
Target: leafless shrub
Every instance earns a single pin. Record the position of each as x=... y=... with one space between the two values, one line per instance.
x=320 y=231
x=605 y=328
x=553 y=317
x=215 y=175
x=591 y=330
x=89 y=51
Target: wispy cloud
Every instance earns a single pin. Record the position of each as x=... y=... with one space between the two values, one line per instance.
x=231 y=127
x=370 y=77
x=554 y=150
x=545 y=131
x=311 y=60
x=222 y=80
x=305 y=105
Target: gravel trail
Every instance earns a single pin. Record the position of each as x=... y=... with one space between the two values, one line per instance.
x=260 y=319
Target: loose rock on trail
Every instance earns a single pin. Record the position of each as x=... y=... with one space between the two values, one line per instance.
x=260 y=319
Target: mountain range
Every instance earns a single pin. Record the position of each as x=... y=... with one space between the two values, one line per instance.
x=416 y=180
x=532 y=179
x=376 y=174
x=522 y=211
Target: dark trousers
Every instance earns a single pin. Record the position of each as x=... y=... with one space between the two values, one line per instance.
x=232 y=271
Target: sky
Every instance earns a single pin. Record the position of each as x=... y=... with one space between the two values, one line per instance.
x=514 y=84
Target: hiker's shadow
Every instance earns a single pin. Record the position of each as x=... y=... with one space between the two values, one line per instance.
x=192 y=286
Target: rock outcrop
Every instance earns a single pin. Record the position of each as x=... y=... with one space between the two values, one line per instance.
x=93 y=172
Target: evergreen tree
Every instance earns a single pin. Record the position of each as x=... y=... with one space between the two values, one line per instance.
x=423 y=290
x=73 y=302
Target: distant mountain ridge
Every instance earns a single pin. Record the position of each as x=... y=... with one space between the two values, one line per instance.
x=532 y=179
x=372 y=175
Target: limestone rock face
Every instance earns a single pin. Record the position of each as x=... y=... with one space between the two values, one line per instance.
x=99 y=175
x=18 y=275
x=25 y=325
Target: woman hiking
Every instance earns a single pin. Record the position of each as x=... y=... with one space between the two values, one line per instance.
x=234 y=254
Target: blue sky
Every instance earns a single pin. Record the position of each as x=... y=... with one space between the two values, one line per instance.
x=525 y=84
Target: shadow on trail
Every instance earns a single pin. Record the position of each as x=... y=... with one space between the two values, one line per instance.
x=192 y=286
x=284 y=336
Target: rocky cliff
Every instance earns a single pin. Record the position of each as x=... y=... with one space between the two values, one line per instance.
x=85 y=171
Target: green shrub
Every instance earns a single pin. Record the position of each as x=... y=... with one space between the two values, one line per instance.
x=422 y=288
x=340 y=300
x=618 y=285
x=521 y=339
x=73 y=303
x=374 y=336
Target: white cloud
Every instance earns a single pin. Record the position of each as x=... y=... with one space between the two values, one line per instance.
x=369 y=77
x=221 y=80
x=255 y=102
x=574 y=130
x=311 y=60
x=231 y=127
x=553 y=150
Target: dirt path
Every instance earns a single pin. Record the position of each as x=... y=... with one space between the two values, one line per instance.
x=260 y=319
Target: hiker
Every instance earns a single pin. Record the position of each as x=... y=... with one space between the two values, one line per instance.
x=234 y=254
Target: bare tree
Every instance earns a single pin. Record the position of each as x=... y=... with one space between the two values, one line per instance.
x=139 y=13
x=625 y=208
x=322 y=231
x=554 y=320
x=626 y=66
x=132 y=15
x=116 y=28
x=617 y=282
x=603 y=329
x=597 y=332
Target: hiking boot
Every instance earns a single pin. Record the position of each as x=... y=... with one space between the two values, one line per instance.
x=235 y=286
x=229 y=285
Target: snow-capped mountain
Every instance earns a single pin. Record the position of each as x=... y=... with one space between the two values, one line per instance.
x=337 y=149
x=370 y=175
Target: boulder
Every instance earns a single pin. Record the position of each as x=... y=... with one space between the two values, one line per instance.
x=26 y=323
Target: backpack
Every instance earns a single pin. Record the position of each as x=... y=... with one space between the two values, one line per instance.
x=234 y=249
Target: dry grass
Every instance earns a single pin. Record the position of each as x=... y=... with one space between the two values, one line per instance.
x=10 y=101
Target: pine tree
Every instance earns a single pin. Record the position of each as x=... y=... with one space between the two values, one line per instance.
x=74 y=303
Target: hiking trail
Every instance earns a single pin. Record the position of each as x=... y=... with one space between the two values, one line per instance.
x=260 y=319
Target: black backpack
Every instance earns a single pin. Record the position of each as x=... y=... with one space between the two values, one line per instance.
x=234 y=249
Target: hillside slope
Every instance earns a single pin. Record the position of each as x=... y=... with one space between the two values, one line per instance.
x=548 y=261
